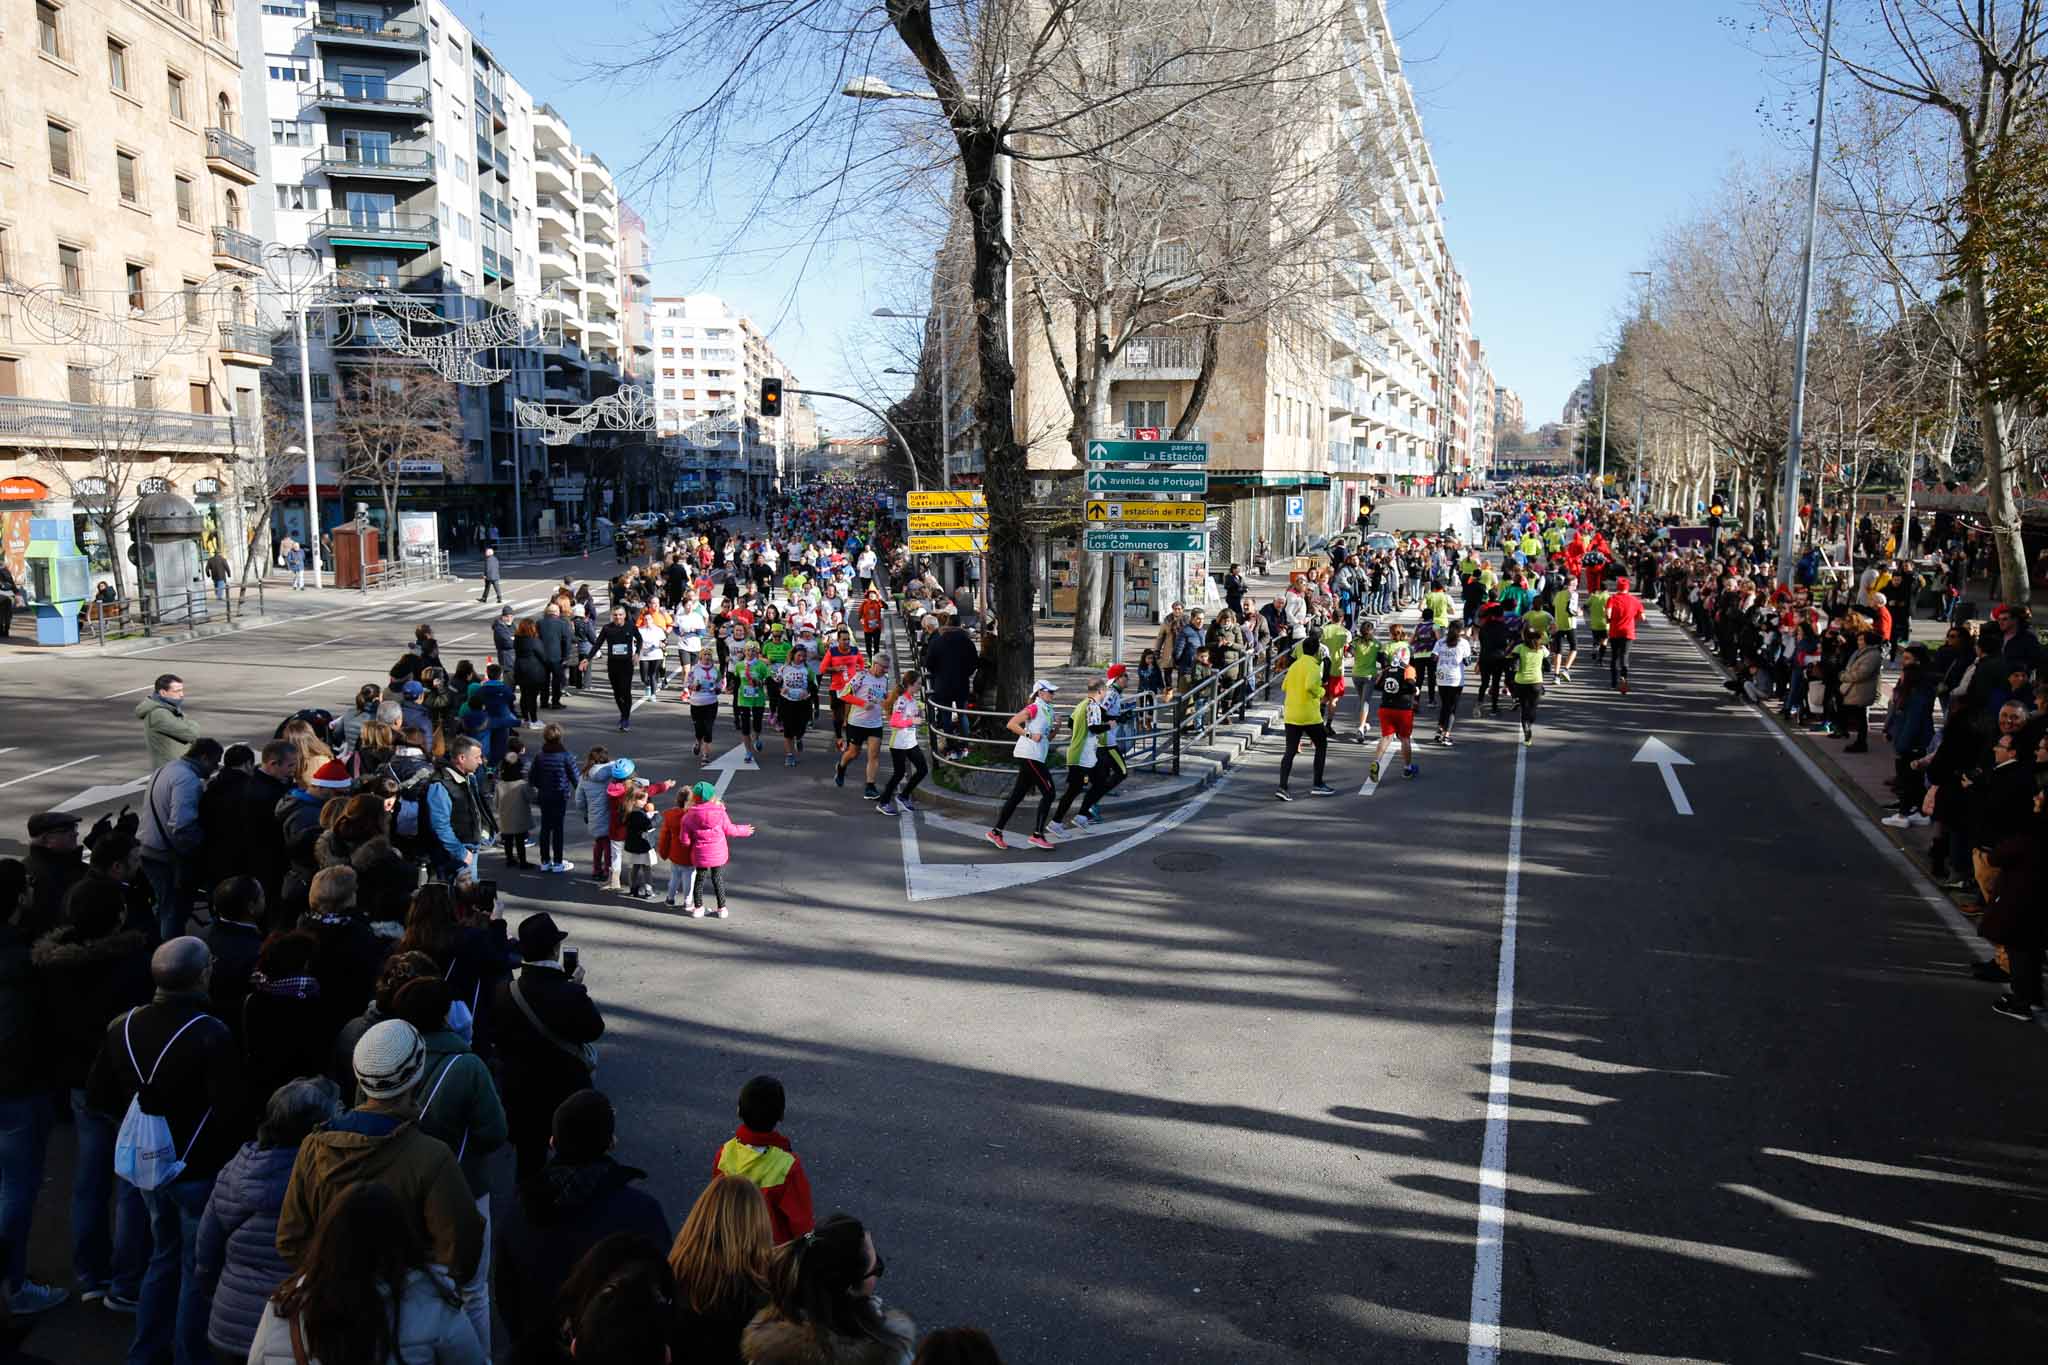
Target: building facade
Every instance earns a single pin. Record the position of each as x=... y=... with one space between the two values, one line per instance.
x=709 y=361
x=1508 y=416
x=125 y=184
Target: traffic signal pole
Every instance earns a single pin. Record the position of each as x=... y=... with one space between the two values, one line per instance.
x=915 y=482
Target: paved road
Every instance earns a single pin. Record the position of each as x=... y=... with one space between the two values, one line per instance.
x=1219 y=1091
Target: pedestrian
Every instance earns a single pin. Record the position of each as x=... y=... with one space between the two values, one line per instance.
x=594 y=804
x=701 y=686
x=547 y=1028
x=172 y=835
x=705 y=828
x=1526 y=680
x=1624 y=610
x=515 y=813
x=235 y=1257
x=1453 y=657
x=1859 y=689
x=864 y=694
x=720 y=1262
x=26 y=1111
x=749 y=682
x=824 y=1303
x=553 y=779
x=55 y=864
x=218 y=571
x=494 y=576
x=1088 y=736
x=173 y=1061
x=165 y=727
x=369 y=1289
x=618 y=643
x=285 y=1025
x=558 y=652
x=905 y=713
x=1302 y=714
x=460 y=819
x=295 y=561
x=1399 y=693
x=1033 y=727
x=529 y=670
x=793 y=701
x=761 y=1155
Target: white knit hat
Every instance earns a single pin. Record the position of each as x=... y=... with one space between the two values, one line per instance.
x=389 y=1059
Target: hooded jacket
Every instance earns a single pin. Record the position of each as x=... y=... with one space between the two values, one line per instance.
x=366 y=1145
x=432 y=1330
x=166 y=728
x=1303 y=687
x=235 y=1256
x=562 y=1212
x=86 y=983
x=706 y=827
x=593 y=800
x=772 y=1339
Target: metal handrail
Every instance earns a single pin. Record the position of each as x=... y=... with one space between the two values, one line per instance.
x=152 y=615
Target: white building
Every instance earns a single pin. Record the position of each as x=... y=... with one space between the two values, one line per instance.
x=709 y=362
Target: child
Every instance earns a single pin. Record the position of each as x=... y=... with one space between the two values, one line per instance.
x=759 y=1154
x=596 y=808
x=673 y=845
x=515 y=815
x=640 y=820
x=706 y=827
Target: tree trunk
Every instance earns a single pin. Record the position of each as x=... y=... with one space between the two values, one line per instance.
x=2002 y=475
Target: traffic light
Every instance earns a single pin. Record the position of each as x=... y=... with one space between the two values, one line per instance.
x=771 y=398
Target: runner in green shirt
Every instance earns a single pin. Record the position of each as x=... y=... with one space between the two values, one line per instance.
x=1596 y=621
x=1540 y=621
x=1526 y=681
x=1437 y=603
x=1564 y=608
x=1366 y=653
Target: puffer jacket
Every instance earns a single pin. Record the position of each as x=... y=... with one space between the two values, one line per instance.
x=594 y=800
x=553 y=776
x=431 y=1330
x=236 y=1255
x=706 y=827
x=775 y=1340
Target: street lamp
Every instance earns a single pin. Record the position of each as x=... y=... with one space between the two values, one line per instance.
x=1788 y=525
x=1645 y=276
x=945 y=387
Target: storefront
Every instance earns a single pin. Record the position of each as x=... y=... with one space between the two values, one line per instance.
x=21 y=498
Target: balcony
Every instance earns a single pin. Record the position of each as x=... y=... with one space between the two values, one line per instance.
x=557 y=262
x=373 y=163
x=599 y=256
x=598 y=224
x=243 y=344
x=552 y=175
x=638 y=272
x=549 y=131
x=33 y=421
x=233 y=248
x=364 y=95
x=1163 y=356
x=362 y=31
x=376 y=228
x=555 y=217
x=1340 y=398
x=229 y=157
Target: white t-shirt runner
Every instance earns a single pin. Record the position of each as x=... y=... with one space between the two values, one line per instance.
x=864 y=696
x=795 y=681
x=1451 y=660
x=702 y=684
x=1038 y=723
x=903 y=719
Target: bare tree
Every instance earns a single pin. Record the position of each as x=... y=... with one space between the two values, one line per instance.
x=393 y=416
x=104 y=473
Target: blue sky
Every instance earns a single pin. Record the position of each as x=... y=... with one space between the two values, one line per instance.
x=1567 y=133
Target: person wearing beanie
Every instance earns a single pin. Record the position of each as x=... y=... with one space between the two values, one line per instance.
x=581 y=1197
x=379 y=1142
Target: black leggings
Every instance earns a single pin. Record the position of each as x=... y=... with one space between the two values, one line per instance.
x=748 y=719
x=704 y=717
x=795 y=717
x=529 y=699
x=1493 y=674
x=622 y=690
x=1526 y=694
x=899 y=759
x=1318 y=735
x=1425 y=673
x=1078 y=779
x=1447 y=706
x=1109 y=770
x=1031 y=774
x=707 y=876
x=1617 y=651
x=652 y=674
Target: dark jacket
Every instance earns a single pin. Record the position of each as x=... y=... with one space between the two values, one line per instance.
x=234 y=946
x=557 y=640
x=529 y=663
x=553 y=777
x=713 y=1337
x=198 y=1081
x=950 y=661
x=561 y=1213
x=24 y=1023
x=86 y=982
x=493 y=570
x=262 y=850
x=534 y=1075
x=350 y=957
x=222 y=836
x=51 y=875
x=283 y=1037
x=235 y=1256
x=502 y=637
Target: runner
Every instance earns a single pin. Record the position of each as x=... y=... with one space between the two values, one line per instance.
x=1564 y=608
x=1090 y=727
x=1624 y=610
x=1302 y=713
x=1398 y=693
x=1596 y=621
x=749 y=694
x=618 y=643
x=1527 y=684
x=836 y=668
x=793 y=687
x=1453 y=655
x=1033 y=728
x=864 y=694
x=1366 y=656
x=905 y=714
x=701 y=686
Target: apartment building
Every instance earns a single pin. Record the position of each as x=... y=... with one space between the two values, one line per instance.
x=1507 y=412
x=709 y=361
x=124 y=183
x=1483 y=391
x=636 y=300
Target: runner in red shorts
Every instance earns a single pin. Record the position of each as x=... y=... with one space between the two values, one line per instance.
x=1397 y=717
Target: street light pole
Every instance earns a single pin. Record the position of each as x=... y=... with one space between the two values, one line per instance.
x=1606 y=388
x=312 y=475
x=1788 y=526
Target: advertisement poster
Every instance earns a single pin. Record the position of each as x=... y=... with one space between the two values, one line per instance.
x=419 y=534
x=14 y=544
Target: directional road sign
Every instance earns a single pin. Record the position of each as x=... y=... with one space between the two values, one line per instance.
x=940 y=500
x=948 y=521
x=1148 y=452
x=1150 y=513
x=948 y=545
x=1147 y=481
x=1146 y=542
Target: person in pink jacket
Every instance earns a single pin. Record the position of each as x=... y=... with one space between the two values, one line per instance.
x=705 y=828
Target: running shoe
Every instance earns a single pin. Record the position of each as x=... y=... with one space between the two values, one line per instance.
x=33 y=1298
x=719 y=913
x=1374 y=772
x=1449 y=743
x=1528 y=737
x=1322 y=789
x=696 y=912
x=1083 y=820
x=2004 y=1004
x=757 y=743
x=906 y=804
x=995 y=836
x=1040 y=841
x=870 y=792
x=789 y=760
x=117 y=1302
x=1282 y=794
x=624 y=726
x=887 y=808
x=1410 y=771
x=839 y=777
x=1624 y=687
x=1057 y=827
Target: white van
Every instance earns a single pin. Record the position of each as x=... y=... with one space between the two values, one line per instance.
x=1459 y=518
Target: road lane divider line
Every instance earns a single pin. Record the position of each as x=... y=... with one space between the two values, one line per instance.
x=58 y=768
x=300 y=649
x=129 y=692
x=311 y=686
x=1483 y=1332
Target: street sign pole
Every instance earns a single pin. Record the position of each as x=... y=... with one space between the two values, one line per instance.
x=1116 y=608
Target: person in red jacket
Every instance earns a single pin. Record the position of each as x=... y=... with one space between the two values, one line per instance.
x=758 y=1153
x=1624 y=609
x=871 y=621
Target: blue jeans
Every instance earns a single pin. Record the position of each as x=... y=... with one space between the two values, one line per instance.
x=220 y=590
x=171 y=885
x=170 y=1319
x=97 y=1262
x=24 y=1134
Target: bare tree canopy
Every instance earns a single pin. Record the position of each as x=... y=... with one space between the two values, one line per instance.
x=393 y=419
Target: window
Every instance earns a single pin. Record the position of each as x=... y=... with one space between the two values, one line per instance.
x=71 y=270
x=224 y=113
x=220 y=26
x=323 y=388
x=462 y=226
x=6 y=255
x=286 y=11
x=49 y=36
x=145 y=391
x=138 y=295
x=129 y=177
x=174 y=87
x=190 y=293
x=117 y=64
x=78 y=383
x=188 y=211
x=60 y=151
x=294 y=197
x=10 y=378
x=202 y=397
x=284 y=70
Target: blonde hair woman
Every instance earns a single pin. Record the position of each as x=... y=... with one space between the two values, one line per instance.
x=720 y=1263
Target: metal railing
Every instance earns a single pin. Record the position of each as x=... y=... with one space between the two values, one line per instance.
x=225 y=146
x=352 y=28
x=42 y=419
x=377 y=224
x=372 y=160
x=413 y=568
x=244 y=339
x=166 y=613
x=364 y=94
x=237 y=245
x=1153 y=731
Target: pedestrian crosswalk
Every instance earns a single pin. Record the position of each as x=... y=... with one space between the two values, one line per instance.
x=435 y=611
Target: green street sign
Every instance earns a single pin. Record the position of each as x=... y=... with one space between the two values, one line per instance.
x=1146 y=542
x=1148 y=481
x=1148 y=452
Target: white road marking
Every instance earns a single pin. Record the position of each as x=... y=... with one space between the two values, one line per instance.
x=1668 y=761
x=322 y=645
x=1482 y=1333
x=1368 y=788
x=10 y=749
x=129 y=693
x=977 y=832
x=458 y=639
x=738 y=759
x=41 y=771
x=311 y=686
x=92 y=796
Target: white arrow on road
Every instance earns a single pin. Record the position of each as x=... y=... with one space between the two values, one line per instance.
x=93 y=796
x=1668 y=761
x=737 y=759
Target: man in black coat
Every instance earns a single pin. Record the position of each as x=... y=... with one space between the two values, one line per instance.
x=55 y=864
x=261 y=836
x=221 y=806
x=557 y=651
x=950 y=661
x=543 y=1018
x=502 y=634
x=581 y=1197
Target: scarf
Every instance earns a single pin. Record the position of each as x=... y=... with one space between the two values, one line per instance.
x=293 y=987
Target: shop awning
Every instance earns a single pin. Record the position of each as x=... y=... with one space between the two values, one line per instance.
x=23 y=489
